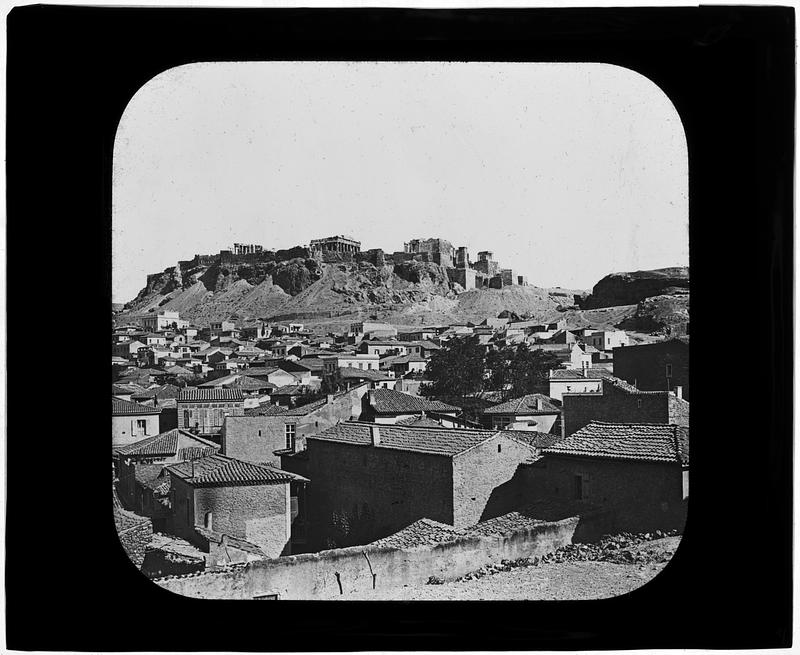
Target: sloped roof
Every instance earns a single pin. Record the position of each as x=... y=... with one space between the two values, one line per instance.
x=437 y=441
x=627 y=441
x=163 y=391
x=594 y=373
x=164 y=445
x=527 y=404
x=535 y=439
x=389 y=401
x=350 y=373
x=248 y=383
x=211 y=395
x=407 y=359
x=419 y=421
x=265 y=410
x=220 y=471
x=121 y=407
x=424 y=532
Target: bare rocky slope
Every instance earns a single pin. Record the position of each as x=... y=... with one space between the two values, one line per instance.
x=411 y=293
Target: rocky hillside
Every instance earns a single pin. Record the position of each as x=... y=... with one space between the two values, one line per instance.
x=632 y=288
x=409 y=293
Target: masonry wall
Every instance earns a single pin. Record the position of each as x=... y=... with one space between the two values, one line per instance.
x=678 y=411
x=483 y=480
x=134 y=541
x=614 y=406
x=642 y=496
x=257 y=513
x=314 y=575
x=124 y=431
x=254 y=438
x=645 y=365
x=379 y=490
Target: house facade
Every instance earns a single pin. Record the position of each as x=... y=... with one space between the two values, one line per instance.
x=131 y=421
x=241 y=499
x=371 y=480
x=388 y=406
x=584 y=380
x=661 y=366
x=620 y=402
x=203 y=410
x=534 y=412
x=640 y=472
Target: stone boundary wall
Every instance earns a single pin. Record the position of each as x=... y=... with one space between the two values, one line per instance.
x=330 y=574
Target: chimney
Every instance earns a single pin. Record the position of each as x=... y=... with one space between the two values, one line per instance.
x=371 y=396
x=329 y=399
x=538 y=404
x=679 y=391
x=375 y=435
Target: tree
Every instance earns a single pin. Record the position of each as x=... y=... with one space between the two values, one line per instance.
x=456 y=369
x=332 y=383
x=530 y=370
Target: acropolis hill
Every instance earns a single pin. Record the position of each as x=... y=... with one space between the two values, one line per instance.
x=332 y=280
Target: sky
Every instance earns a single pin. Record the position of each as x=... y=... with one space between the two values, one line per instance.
x=567 y=172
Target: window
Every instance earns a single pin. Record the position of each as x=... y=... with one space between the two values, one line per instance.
x=291 y=432
x=578 y=487
x=499 y=448
x=259 y=433
x=208 y=520
x=639 y=404
x=141 y=424
x=669 y=370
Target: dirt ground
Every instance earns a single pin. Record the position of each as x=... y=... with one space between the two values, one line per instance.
x=562 y=581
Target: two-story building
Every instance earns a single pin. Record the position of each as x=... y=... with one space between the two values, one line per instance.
x=371 y=480
x=533 y=411
x=131 y=421
x=203 y=411
x=660 y=366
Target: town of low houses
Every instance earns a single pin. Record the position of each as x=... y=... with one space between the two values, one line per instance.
x=249 y=450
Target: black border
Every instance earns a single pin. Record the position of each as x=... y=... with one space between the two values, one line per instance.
x=71 y=71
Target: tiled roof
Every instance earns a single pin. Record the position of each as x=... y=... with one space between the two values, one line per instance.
x=419 y=421
x=210 y=395
x=250 y=384
x=627 y=441
x=265 y=410
x=121 y=407
x=406 y=359
x=437 y=441
x=525 y=405
x=149 y=475
x=350 y=373
x=594 y=373
x=289 y=390
x=218 y=470
x=424 y=532
x=390 y=401
x=622 y=385
x=535 y=439
x=511 y=522
x=164 y=445
x=163 y=391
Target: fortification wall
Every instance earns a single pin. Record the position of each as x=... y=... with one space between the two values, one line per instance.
x=331 y=573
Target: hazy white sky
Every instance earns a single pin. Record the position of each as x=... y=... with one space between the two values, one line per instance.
x=567 y=172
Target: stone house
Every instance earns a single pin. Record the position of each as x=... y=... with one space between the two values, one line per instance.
x=409 y=365
x=383 y=347
x=203 y=410
x=226 y=496
x=639 y=472
x=128 y=349
x=142 y=486
x=264 y=433
x=660 y=366
x=371 y=480
x=388 y=406
x=608 y=339
x=585 y=380
x=131 y=421
x=533 y=411
x=620 y=402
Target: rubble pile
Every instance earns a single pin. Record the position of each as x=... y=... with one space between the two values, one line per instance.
x=611 y=548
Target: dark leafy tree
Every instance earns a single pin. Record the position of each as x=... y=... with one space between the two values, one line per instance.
x=530 y=370
x=457 y=369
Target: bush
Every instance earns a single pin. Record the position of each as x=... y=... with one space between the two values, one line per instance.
x=435 y=580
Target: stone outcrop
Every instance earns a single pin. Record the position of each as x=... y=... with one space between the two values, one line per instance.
x=631 y=288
